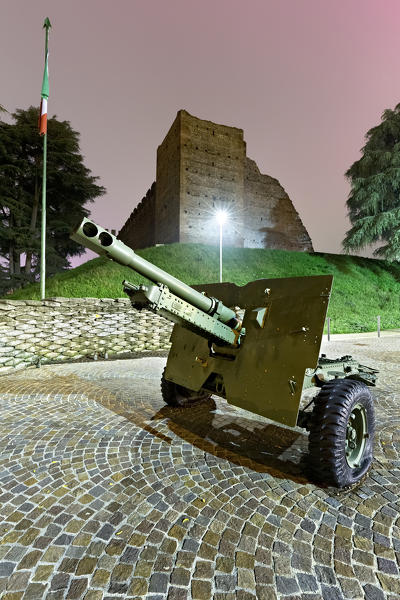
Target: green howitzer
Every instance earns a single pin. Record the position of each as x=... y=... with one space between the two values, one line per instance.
x=257 y=346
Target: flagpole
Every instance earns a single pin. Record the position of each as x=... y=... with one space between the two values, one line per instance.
x=43 y=244
x=46 y=25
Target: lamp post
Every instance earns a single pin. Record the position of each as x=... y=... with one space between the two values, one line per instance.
x=221 y=218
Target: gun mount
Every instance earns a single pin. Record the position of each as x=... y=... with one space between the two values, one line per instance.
x=257 y=346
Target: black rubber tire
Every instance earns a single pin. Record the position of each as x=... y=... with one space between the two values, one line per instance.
x=327 y=440
x=177 y=395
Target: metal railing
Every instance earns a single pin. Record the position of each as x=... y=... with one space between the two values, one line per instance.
x=328 y=327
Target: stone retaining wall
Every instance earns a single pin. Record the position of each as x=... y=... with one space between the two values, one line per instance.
x=34 y=332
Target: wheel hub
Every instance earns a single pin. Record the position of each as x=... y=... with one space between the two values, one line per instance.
x=356 y=436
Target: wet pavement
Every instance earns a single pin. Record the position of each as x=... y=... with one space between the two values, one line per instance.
x=105 y=492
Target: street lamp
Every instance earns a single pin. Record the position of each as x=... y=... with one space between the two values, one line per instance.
x=221 y=216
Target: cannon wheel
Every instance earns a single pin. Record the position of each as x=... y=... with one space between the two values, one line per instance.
x=341 y=433
x=177 y=395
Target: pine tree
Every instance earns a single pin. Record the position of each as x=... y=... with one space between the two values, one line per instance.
x=70 y=186
x=374 y=200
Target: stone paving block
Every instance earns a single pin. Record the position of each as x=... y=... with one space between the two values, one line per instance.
x=93 y=595
x=43 y=572
x=286 y=585
x=12 y=596
x=60 y=581
x=201 y=590
x=350 y=588
x=35 y=591
x=307 y=582
x=117 y=587
x=225 y=582
x=176 y=593
x=203 y=570
x=331 y=593
x=86 y=566
x=101 y=578
x=53 y=554
x=138 y=587
x=373 y=593
x=77 y=588
x=158 y=582
x=18 y=581
x=282 y=565
x=185 y=559
x=389 y=583
x=70 y=534
x=121 y=572
x=3 y=583
x=106 y=532
x=387 y=566
x=6 y=568
x=245 y=578
x=14 y=554
x=244 y=595
x=180 y=576
x=325 y=574
x=143 y=569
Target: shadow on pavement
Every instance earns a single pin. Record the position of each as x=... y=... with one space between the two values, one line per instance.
x=261 y=447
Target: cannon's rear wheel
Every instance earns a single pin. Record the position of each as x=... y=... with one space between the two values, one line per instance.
x=177 y=395
x=341 y=433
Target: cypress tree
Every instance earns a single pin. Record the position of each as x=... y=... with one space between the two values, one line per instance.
x=374 y=199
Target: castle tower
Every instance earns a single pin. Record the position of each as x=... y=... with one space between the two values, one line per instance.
x=202 y=167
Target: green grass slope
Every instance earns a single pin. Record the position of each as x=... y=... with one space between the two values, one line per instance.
x=362 y=288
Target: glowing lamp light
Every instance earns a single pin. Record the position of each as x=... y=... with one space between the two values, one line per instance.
x=221 y=216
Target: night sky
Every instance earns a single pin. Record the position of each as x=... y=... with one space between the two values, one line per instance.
x=304 y=79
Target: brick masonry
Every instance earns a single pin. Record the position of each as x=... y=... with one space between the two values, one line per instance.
x=141 y=223
x=202 y=166
x=34 y=332
x=273 y=223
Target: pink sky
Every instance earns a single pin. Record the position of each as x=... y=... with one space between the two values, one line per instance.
x=304 y=79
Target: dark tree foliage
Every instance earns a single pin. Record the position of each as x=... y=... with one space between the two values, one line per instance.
x=374 y=200
x=70 y=186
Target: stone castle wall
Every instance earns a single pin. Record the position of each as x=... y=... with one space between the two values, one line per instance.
x=140 y=229
x=34 y=332
x=212 y=161
x=202 y=166
x=275 y=223
x=168 y=187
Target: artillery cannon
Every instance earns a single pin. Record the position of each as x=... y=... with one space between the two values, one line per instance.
x=258 y=346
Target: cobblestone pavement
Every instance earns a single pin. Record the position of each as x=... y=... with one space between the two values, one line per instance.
x=108 y=493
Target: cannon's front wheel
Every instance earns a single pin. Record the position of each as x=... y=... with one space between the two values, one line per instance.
x=341 y=433
x=177 y=395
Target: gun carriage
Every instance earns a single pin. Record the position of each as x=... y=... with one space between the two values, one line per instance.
x=258 y=347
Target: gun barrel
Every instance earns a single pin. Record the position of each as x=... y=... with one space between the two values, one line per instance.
x=104 y=243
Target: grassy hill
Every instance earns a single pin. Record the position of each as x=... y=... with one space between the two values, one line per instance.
x=362 y=288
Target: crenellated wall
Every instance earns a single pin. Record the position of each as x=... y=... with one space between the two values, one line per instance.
x=139 y=230
x=36 y=332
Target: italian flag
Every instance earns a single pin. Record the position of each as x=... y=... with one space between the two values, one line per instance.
x=45 y=95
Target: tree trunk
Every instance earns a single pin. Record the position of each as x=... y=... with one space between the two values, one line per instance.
x=32 y=227
x=17 y=267
x=11 y=247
